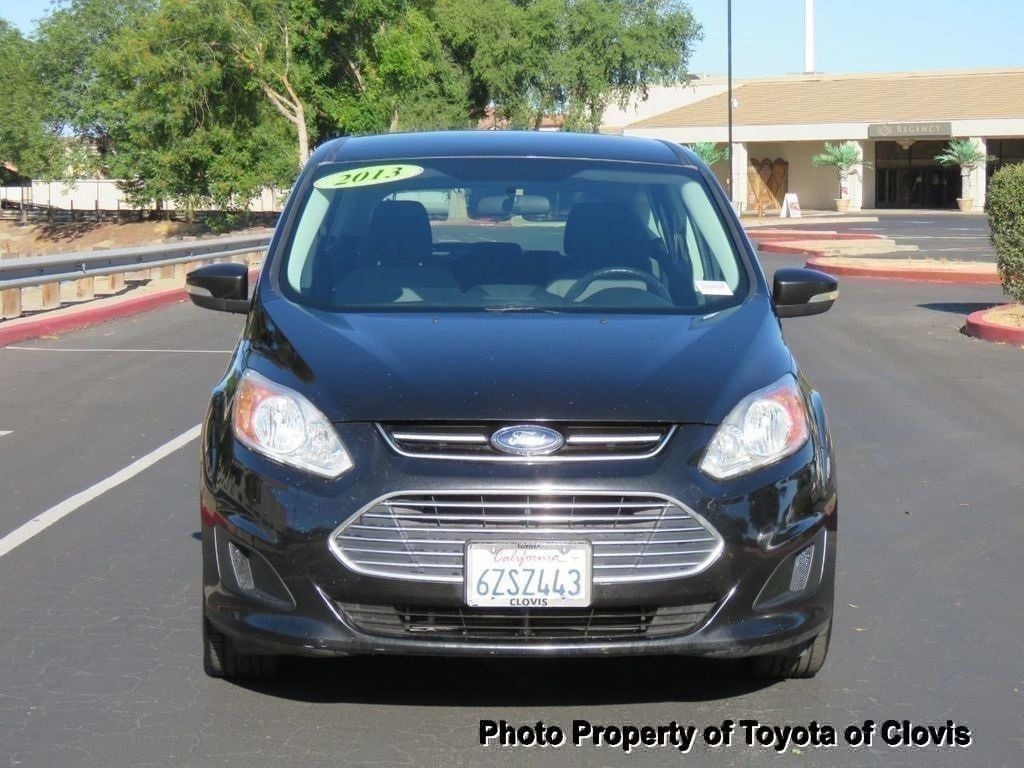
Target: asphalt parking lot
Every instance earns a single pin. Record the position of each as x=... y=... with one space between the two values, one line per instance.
x=938 y=235
x=99 y=612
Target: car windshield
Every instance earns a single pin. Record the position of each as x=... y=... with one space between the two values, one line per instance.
x=511 y=235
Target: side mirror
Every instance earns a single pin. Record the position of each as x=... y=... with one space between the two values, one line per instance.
x=802 y=292
x=221 y=287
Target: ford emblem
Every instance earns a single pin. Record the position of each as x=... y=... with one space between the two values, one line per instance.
x=527 y=440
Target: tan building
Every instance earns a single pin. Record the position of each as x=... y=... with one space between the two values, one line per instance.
x=899 y=122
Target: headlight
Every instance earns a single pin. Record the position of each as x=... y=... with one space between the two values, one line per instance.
x=284 y=426
x=763 y=428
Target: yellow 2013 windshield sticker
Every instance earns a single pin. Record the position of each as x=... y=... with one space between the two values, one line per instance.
x=366 y=177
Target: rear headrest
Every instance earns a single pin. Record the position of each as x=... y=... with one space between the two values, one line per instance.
x=488 y=263
x=601 y=235
x=399 y=234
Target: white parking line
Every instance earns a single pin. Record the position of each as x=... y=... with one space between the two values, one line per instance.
x=41 y=522
x=104 y=349
x=5 y=432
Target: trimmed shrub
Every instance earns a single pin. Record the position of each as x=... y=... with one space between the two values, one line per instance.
x=1005 y=207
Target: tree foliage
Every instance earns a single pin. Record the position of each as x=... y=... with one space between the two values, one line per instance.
x=709 y=152
x=574 y=58
x=181 y=114
x=845 y=158
x=26 y=147
x=70 y=44
x=967 y=154
x=204 y=101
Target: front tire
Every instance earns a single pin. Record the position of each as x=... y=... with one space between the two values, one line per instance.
x=804 y=662
x=222 y=659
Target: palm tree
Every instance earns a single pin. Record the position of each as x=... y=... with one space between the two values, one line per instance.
x=969 y=156
x=844 y=158
x=709 y=152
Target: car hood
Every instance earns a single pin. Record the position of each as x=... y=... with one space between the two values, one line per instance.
x=519 y=367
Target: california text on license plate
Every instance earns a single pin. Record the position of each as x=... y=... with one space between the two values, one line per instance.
x=528 y=574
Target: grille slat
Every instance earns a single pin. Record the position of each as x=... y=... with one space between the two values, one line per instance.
x=424 y=542
x=507 y=518
x=525 y=626
x=448 y=440
x=485 y=529
x=571 y=506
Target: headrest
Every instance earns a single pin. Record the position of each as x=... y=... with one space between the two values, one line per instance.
x=399 y=233
x=599 y=235
x=487 y=263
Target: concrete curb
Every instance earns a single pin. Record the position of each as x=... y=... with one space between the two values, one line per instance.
x=980 y=328
x=848 y=248
x=922 y=274
x=791 y=234
x=75 y=318
x=796 y=249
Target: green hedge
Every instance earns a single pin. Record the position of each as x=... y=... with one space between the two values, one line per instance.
x=1006 y=216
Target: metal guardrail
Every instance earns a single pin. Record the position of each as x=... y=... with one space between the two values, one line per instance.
x=38 y=270
x=113 y=266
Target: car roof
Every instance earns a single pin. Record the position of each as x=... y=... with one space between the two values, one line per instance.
x=503 y=144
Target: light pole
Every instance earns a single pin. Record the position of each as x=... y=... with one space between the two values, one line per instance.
x=728 y=16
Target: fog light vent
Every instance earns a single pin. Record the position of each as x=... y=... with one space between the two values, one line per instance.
x=801 y=570
x=242 y=568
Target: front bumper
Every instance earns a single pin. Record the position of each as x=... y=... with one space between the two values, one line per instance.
x=283 y=519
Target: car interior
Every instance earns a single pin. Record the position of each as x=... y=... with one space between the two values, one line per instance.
x=511 y=250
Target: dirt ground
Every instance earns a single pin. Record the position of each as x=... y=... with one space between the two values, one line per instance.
x=43 y=238
x=1011 y=315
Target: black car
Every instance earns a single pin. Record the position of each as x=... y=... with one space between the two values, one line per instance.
x=518 y=394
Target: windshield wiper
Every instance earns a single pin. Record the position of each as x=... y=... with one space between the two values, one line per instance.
x=544 y=310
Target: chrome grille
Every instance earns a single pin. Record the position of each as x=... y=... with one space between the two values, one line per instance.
x=421 y=536
x=446 y=440
x=548 y=625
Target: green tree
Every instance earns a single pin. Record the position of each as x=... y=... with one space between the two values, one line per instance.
x=71 y=41
x=397 y=70
x=709 y=152
x=26 y=146
x=969 y=156
x=570 y=57
x=349 y=66
x=183 y=118
x=844 y=158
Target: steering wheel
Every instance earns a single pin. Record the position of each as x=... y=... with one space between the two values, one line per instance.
x=580 y=286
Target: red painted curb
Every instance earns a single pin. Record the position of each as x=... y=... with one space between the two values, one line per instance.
x=85 y=316
x=918 y=275
x=980 y=328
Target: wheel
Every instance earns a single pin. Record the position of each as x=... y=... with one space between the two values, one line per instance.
x=221 y=659
x=804 y=661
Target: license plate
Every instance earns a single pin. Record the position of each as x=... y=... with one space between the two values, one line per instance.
x=528 y=574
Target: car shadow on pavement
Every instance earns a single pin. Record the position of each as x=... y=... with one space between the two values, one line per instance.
x=959 y=307
x=447 y=682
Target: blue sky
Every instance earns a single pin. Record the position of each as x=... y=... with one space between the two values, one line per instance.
x=861 y=36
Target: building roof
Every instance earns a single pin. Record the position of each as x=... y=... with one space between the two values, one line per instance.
x=865 y=98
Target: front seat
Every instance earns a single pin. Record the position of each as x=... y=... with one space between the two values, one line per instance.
x=598 y=236
x=395 y=253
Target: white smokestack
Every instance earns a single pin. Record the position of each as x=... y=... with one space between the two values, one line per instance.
x=808 y=36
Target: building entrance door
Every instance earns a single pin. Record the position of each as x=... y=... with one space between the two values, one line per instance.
x=909 y=177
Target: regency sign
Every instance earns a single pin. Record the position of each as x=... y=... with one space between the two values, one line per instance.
x=910 y=130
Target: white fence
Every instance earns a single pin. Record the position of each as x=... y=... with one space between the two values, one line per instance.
x=103 y=195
